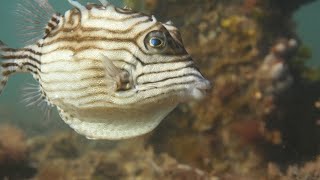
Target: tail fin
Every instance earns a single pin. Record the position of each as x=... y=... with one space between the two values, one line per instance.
x=18 y=60
x=4 y=70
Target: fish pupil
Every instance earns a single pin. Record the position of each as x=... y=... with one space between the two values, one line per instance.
x=156 y=42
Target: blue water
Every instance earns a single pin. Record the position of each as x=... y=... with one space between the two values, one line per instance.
x=308 y=28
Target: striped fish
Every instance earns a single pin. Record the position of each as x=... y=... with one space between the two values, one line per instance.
x=112 y=73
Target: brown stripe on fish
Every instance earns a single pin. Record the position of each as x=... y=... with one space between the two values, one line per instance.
x=87 y=39
x=56 y=18
x=72 y=19
x=173 y=69
x=159 y=95
x=94 y=68
x=20 y=60
x=166 y=89
x=75 y=13
x=93 y=76
x=132 y=64
x=28 y=50
x=138 y=15
x=94 y=39
x=23 y=58
x=79 y=87
x=91 y=29
x=124 y=11
x=97 y=6
x=171 y=78
x=52 y=24
x=24 y=67
x=133 y=61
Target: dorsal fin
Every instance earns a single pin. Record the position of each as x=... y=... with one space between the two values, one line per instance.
x=33 y=16
x=52 y=24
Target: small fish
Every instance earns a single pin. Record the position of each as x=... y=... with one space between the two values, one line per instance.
x=112 y=73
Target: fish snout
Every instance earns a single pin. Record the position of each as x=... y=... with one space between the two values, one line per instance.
x=200 y=89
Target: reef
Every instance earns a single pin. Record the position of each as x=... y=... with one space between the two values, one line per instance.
x=98 y=160
x=259 y=121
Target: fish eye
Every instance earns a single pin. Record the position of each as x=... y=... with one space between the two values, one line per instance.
x=156 y=42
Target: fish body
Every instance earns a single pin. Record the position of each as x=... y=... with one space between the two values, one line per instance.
x=112 y=73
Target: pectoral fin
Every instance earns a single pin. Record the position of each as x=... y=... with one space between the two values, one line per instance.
x=117 y=79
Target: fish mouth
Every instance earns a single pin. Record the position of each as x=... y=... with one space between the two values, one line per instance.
x=200 y=89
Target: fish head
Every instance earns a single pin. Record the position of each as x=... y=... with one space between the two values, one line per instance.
x=162 y=68
x=166 y=69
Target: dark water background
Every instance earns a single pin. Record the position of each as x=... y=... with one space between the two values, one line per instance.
x=32 y=119
x=308 y=23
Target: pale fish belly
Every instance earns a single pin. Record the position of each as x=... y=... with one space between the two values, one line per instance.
x=117 y=123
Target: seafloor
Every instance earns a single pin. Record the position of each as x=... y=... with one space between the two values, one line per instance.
x=259 y=121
